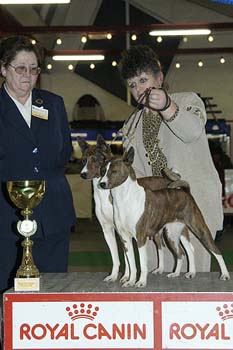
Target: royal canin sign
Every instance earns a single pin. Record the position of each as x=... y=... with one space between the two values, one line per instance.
x=191 y=325
x=83 y=325
x=117 y=321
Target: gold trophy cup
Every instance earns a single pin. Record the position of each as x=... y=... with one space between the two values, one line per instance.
x=26 y=195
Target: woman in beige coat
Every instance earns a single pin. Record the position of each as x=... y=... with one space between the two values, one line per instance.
x=169 y=131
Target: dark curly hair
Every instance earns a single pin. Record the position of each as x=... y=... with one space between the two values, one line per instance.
x=11 y=46
x=138 y=59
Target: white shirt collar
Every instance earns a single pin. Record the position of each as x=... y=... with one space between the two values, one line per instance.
x=25 y=109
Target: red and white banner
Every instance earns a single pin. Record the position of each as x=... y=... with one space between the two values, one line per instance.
x=119 y=321
x=191 y=325
x=86 y=324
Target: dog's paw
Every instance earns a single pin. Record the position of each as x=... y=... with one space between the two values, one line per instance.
x=157 y=271
x=173 y=274
x=124 y=279
x=130 y=283
x=140 y=284
x=110 y=278
x=225 y=277
x=190 y=275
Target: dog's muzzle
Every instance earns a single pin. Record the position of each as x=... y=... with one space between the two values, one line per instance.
x=83 y=176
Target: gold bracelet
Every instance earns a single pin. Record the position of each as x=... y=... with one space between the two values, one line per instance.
x=174 y=115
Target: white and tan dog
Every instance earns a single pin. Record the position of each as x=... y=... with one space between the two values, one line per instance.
x=103 y=205
x=141 y=213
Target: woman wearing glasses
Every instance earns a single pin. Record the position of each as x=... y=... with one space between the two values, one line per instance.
x=35 y=144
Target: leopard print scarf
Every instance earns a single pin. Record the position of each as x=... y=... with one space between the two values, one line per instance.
x=150 y=128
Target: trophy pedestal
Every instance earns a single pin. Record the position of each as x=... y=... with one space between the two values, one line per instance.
x=27 y=284
x=27 y=276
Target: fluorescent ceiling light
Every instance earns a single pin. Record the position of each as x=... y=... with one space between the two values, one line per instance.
x=78 y=57
x=229 y=2
x=29 y=2
x=180 y=32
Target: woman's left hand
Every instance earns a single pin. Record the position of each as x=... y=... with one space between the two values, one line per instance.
x=157 y=99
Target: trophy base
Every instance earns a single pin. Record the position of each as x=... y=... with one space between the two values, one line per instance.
x=31 y=284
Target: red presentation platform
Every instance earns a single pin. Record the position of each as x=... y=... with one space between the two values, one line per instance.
x=80 y=311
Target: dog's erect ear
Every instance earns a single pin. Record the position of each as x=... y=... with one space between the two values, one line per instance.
x=99 y=156
x=128 y=156
x=100 y=139
x=82 y=144
x=102 y=144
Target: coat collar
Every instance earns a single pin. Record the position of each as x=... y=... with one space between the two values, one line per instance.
x=11 y=114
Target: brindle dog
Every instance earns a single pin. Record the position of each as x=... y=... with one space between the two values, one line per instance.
x=140 y=213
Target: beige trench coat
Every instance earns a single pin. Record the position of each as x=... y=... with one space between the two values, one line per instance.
x=184 y=143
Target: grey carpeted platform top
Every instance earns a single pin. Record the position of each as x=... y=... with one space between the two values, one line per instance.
x=92 y=282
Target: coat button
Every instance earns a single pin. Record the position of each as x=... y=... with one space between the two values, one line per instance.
x=146 y=155
x=148 y=163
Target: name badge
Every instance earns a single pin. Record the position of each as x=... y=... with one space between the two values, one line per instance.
x=40 y=112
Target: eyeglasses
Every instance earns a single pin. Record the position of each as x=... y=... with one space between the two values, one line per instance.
x=23 y=69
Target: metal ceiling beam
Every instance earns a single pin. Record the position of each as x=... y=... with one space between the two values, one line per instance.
x=160 y=52
x=28 y=30
x=204 y=50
